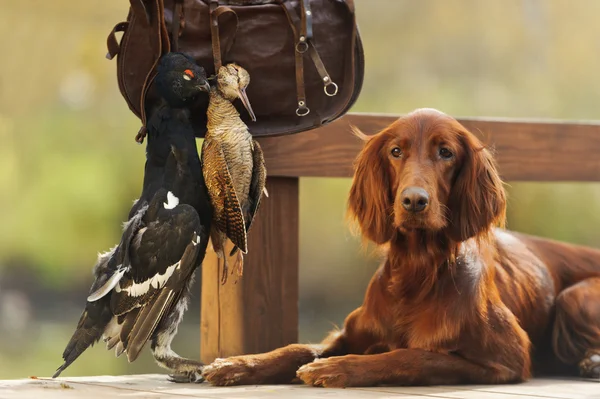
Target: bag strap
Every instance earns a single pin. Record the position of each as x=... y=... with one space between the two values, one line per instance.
x=329 y=87
x=299 y=50
x=144 y=10
x=177 y=24
x=350 y=4
x=164 y=47
x=306 y=30
x=112 y=44
x=215 y=12
x=303 y=32
x=140 y=10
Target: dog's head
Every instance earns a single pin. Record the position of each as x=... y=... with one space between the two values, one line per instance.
x=425 y=172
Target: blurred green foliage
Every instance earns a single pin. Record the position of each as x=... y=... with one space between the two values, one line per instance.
x=69 y=167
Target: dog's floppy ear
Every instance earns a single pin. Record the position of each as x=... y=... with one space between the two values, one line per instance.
x=370 y=200
x=477 y=199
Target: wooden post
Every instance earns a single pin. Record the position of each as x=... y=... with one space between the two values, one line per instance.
x=260 y=312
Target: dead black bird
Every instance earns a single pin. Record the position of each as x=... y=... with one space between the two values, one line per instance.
x=142 y=285
x=233 y=165
x=179 y=81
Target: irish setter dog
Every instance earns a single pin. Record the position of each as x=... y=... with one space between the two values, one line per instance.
x=457 y=299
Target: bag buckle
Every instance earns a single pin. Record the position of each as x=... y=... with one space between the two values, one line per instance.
x=328 y=83
x=302 y=109
x=302 y=45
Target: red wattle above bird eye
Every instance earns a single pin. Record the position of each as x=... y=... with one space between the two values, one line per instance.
x=189 y=73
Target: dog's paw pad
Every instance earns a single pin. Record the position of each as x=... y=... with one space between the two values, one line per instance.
x=589 y=367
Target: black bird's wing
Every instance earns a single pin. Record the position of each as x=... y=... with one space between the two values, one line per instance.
x=163 y=259
x=109 y=268
x=108 y=277
x=138 y=281
x=228 y=216
x=257 y=187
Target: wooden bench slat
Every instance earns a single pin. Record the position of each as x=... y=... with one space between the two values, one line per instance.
x=525 y=150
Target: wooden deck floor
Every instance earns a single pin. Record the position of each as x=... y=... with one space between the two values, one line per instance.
x=155 y=386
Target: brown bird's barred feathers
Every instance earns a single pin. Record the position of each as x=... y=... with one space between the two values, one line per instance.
x=257 y=188
x=228 y=216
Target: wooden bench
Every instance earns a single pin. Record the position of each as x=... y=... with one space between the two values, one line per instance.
x=260 y=312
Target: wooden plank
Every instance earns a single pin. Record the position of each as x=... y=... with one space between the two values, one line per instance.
x=259 y=312
x=525 y=150
x=156 y=386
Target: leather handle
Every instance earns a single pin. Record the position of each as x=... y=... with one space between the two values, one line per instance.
x=140 y=10
x=214 y=33
x=215 y=12
x=112 y=43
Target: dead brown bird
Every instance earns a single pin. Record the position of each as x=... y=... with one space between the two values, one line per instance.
x=233 y=165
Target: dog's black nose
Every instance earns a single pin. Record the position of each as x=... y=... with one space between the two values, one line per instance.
x=415 y=199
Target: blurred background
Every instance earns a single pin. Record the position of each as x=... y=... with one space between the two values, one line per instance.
x=70 y=169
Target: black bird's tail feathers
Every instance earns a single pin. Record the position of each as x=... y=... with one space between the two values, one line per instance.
x=139 y=326
x=97 y=314
x=89 y=330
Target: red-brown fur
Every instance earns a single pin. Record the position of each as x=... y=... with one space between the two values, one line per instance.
x=456 y=300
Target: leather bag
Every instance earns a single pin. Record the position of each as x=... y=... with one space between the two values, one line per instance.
x=305 y=57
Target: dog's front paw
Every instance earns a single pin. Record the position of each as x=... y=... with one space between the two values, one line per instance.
x=231 y=371
x=333 y=372
x=590 y=365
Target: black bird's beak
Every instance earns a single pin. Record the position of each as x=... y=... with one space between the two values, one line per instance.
x=246 y=102
x=204 y=86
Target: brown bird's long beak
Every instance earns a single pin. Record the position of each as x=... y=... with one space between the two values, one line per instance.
x=246 y=102
x=205 y=86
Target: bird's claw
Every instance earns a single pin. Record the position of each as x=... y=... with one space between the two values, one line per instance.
x=239 y=266
x=187 y=377
x=224 y=275
x=225 y=269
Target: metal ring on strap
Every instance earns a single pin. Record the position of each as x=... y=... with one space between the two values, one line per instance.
x=335 y=88
x=302 y=109
x=302 y=45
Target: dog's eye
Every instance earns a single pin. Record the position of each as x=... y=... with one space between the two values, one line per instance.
x=396 y=152
x=445 y=153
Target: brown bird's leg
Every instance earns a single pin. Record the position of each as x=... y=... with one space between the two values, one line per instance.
x=218 y=240
x=221 y=255
x=219 y=259
x=239 y=263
